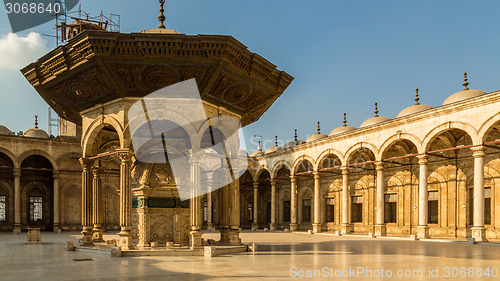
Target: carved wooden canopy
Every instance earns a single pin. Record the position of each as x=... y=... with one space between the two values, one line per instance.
x=97 y=66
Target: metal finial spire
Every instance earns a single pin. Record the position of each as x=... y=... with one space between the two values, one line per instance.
x=465 y=84
x=161 y=17
x=416 y=97
x=295 y=137
x=275 y=140
x=36 y=121
x=259 y=148
x=319 y=131
x=345 y=119
x=376 y=110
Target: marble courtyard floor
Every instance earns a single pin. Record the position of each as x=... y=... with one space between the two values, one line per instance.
x=280 y=256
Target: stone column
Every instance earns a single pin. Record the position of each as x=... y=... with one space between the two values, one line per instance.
x=478 y=230
x=317 y=204
x=255 y=225
x=86 y=201
x=234 y=218
x=272 y=226
x=210 y=224
x=423 y=196
x=125 y=234
x=195 y=205
x=293 y=203
x=380 y=228
x=346 y=226
x=224 y=215
x=17 y=201
x=57 y=201
x=97 y=204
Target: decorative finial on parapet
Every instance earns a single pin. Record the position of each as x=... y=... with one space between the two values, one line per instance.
x=319 y=131
x=259 y=148
x=36 y=121
x=275 y=140
x=345 y=119
x=376 y=110
x=161 y=17
x=416 y=97
x=465 y=84
x=295 y=136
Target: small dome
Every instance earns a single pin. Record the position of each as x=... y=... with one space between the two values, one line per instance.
x=273 y=149
x=4 y=130
x=256 y=153
x=341 y=129
x=374 y=120
x=463 y=95
x=293 y=143
x=36 y=133
x=466 y=93
x=316 y=137
x=414 y=109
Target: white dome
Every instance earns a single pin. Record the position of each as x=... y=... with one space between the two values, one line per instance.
x=341 y=129
x=4 y=130
x=374 y=120
x=256 y=153
x=293 y=143
x=463 y=95
x=316 y=137
x=273 y=149
x=414 y=109
x=36 y=133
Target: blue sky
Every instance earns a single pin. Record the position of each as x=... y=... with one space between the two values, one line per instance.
x=344 y=55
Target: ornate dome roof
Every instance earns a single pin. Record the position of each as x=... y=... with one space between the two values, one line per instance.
x=374 y=120
x=274 y=148
x=417 y=107
x=293 y=143
x=256 y=153
x=36 y=133
x=4 y=130
x=342 y=129
x=317 y=136
x=466 y=93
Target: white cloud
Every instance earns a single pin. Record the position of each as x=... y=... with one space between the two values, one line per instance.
x=17 y=52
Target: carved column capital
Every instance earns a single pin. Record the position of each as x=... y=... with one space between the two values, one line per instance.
x=17 y=172
x=423 y=159
x=316 y=175
x=478 y=151
x=56 y=174
x=86 y=163
x=293 y=178
x=125 y=155
x=379 y=166
x=345 y=170
x=273 y=181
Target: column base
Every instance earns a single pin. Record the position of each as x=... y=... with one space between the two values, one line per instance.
x=293 y=227
x=210 y=226
x=272 y=226
x=479 y=233
x=196 y=239
x=346 y=229
x=255 y=226
x=16 y=229
x=125 y=240
x=423 y=232
x=316 y=227
x=224 y=236
x=97 y=235
x=380 y=230
x=87 y=237
x=56 y=227
x=234 y=237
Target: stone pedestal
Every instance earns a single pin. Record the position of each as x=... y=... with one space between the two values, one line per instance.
x=380 y=230
x=16 y=229
x=125 y=240
x=423 y=232
x=293 y=227
x=255 y=226
x=234 y=237
x=346 y=229
x=34 y=236
x=224 y=236
x=196 y=240
x=317 y=228
x=97 y=234
x=272 y=226
x=86 y=237
x=479 y=234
